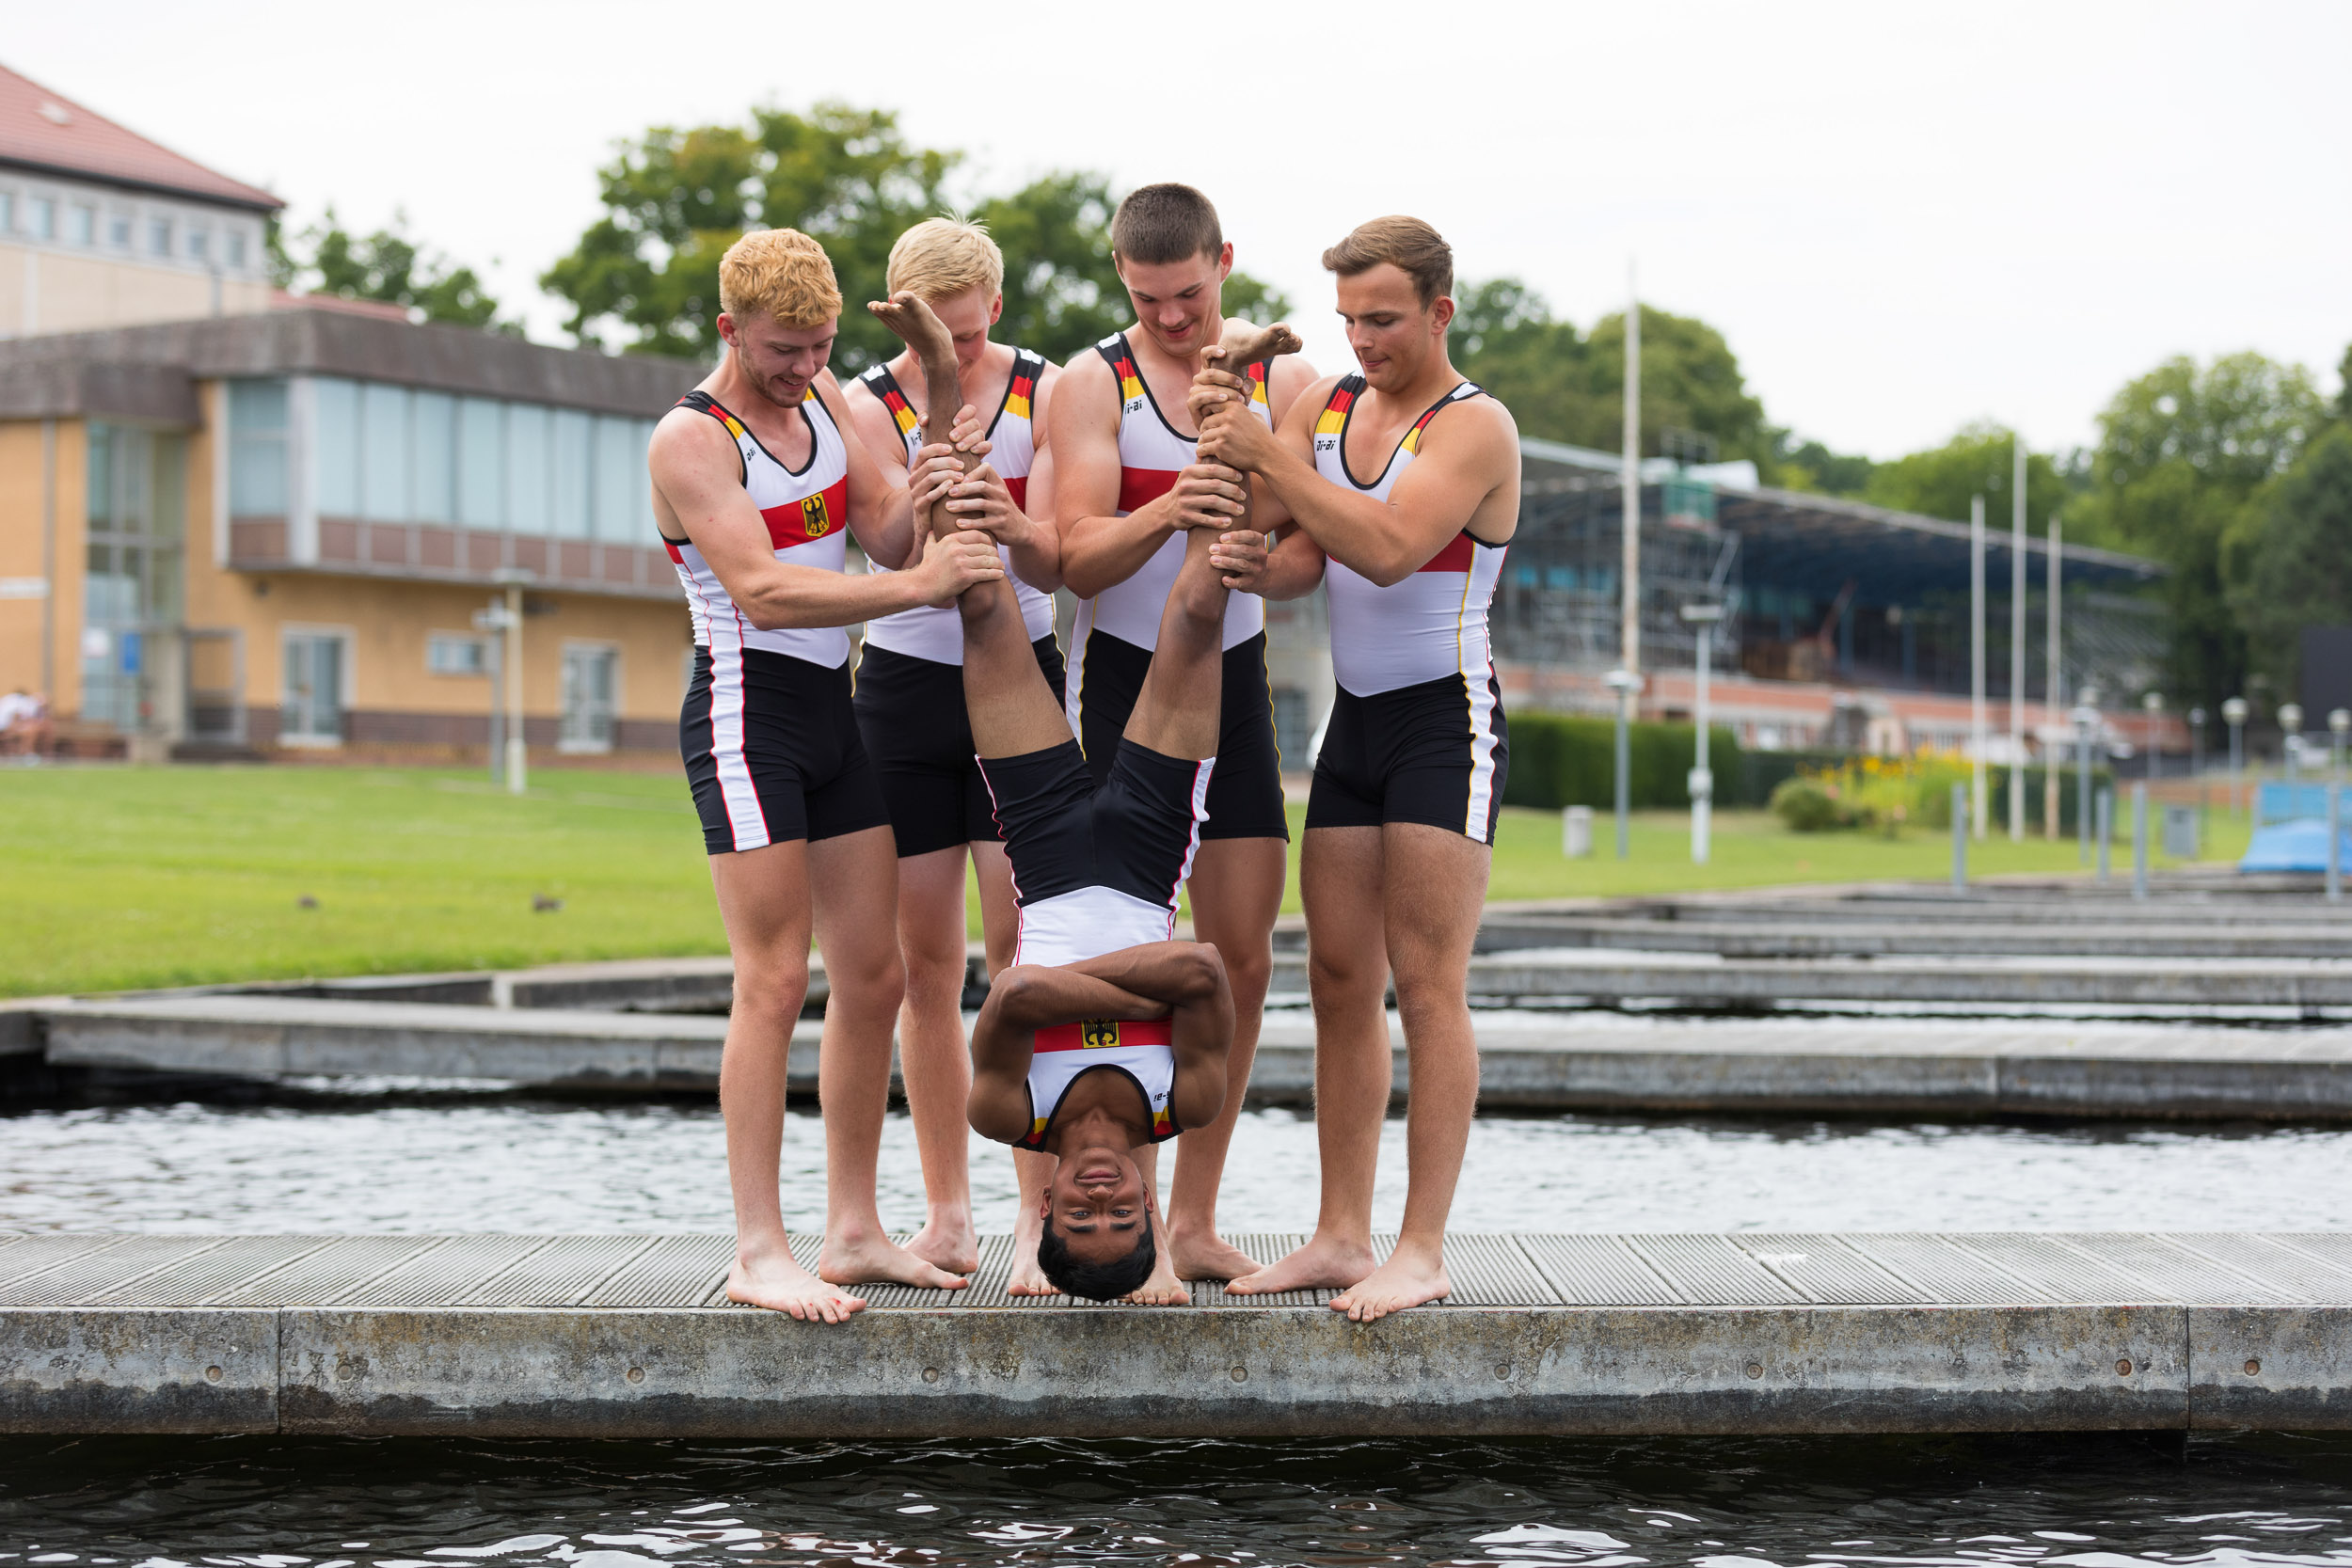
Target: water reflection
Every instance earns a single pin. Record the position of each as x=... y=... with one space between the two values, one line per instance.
x=2092 y=1502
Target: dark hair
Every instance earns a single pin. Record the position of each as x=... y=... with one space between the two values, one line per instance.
x=1408 y=245
x=1074 y=1277
x=1163 y=223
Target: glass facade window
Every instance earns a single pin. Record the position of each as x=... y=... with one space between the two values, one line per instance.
x=481 y=462
x=591 y=698
x=257 y=449
x=7 y=212
x=434 y=424
x=118 y=231
x=43 y=212
x=159 y=236
x=575 y=436
x=620 y=476
x=313 y=710
x=131 y=594
x=383 y=490
x=236 y=248
x=338 y=448
x=199 y=244
x=81 y=224
x=449 y=653
x=529 y=467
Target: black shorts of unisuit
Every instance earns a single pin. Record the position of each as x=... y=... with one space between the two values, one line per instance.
x=1436 y=752
x=1245 y=791
x=919 y=735
x=1134 y=832
x=772 y=752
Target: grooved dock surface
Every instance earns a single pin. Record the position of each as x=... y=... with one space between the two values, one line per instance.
x=632 y=1335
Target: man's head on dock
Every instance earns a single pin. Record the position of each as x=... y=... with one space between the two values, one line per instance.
x=1097 y=1239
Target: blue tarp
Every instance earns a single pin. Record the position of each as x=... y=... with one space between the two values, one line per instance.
x=2300 y=846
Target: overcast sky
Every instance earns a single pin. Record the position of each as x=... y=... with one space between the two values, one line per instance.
x=1903 y=218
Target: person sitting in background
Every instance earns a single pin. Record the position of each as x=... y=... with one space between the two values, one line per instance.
x=24 y=726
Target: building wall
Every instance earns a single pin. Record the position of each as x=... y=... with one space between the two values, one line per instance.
x=48 y=289
x=22 y=562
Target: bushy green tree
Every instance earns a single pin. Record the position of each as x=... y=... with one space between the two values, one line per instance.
x=1940 y=482
x=2182 y=453
x=389 y=266
x=645 y=277
x=1811 y=466
x=2296 y=569
x=1569 y=386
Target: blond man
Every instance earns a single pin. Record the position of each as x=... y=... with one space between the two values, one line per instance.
x=757 y=476
x=909 y=700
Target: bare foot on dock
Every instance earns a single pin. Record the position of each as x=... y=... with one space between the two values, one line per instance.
x=776 y=1280
x=1209 y=1257
x=1163 y=1289
x=1408 y=1279
x=1318 y=1265
x=948 y=1244
x=878 y=1261
x=1026 y=1278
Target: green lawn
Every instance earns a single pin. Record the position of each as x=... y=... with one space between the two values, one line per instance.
x=116 y=877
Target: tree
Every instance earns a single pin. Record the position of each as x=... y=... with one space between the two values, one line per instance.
x=2297 y=570
x=2183 y=452
x=645 y=277
x=1980 y=461
x=1569 y=388
x=1812 y=466
x=389 y=266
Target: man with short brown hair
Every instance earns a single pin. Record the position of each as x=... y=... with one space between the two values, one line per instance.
x=1123 y=473
x=1403 y=482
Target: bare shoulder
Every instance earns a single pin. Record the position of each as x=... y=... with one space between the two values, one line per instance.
x=1481 y=427
x=1084 y=392
x=685 y=441
x=1289 y=376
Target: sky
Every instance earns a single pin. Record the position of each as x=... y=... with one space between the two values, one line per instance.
x=1905 y=218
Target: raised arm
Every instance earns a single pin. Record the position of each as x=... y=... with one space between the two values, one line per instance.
x=698 y=495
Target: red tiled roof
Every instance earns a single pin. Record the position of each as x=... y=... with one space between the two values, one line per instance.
x=48 y=130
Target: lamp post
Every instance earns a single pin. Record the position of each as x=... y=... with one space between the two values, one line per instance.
x=512 y=580
x=2153 y=703
x=2339 y=725
x=2291 y=737
x=1625 y=682
x=1704 y=617
x=2086 y=717
x=2197 y=744
x=2233 y=715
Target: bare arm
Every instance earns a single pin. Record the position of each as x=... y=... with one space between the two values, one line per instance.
x=1099 y=549
x=698 y=495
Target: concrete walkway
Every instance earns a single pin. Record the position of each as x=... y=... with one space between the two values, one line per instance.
x=629 y=1335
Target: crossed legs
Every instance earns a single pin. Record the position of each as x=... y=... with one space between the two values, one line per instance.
x=1404 y=897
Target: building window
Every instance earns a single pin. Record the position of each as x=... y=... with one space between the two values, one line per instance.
x=236 y=249
x=481 y=462
x=591 y=684
x=131 y=592
x=436 y=426
x=311 y=713
x=575 y=474
x=257 y=449
x=7 y=212
x=118 y=231
x=338 y=405
x=530 y=442
x=456 y=653
x=199 y=244
x=384 y=453
x=43 y=212
x=81 y=224
x=159 y=236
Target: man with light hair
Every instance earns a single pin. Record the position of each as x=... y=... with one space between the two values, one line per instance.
x=757 y=478
x=1404 y=481
x=909 y=700
x=1125 y=471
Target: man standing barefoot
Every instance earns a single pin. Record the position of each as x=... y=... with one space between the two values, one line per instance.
x=1123 y=468
x=756 y=477
x=1407 y=478
x=909 y=692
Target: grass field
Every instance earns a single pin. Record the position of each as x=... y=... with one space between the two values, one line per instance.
x=114 y=878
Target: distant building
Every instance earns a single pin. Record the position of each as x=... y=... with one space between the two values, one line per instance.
x=100 y=227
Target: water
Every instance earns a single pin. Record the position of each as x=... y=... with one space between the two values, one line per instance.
x=2087 y=1502
x=468 y=1162
x=420 y=1161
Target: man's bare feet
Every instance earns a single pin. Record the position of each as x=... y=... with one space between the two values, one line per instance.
x=914 y=324
x=1245 y=344
x=1321 y=1265
x=773 y=1278
x=1026 y=1278
x=876 y=1259
x=947 y=1242
x=1206 y=1255
x=1410 y=1277
x=1163 y=1289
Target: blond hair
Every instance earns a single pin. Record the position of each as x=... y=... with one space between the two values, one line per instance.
x=1408 y=245
x=780 y=273
x=940 y=258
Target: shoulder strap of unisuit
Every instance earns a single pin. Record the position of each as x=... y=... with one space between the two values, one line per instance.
x=1344 y=391
x=703 y=403
x=886 y=385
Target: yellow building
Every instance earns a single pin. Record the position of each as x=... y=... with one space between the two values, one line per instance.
x=277 y=530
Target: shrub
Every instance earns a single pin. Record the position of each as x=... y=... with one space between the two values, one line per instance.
x=1805 y=806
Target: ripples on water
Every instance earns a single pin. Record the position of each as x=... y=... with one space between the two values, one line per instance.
x=2089 y=1502
x=452 y=1162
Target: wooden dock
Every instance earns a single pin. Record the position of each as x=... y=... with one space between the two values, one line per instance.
x=629 y=1335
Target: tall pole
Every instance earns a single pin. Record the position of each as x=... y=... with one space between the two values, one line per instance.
x=1702 y=777
x=514 y=689
x=1976 y=661
x=2017 y=641
x=2053 y=690
x=1629 y=609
